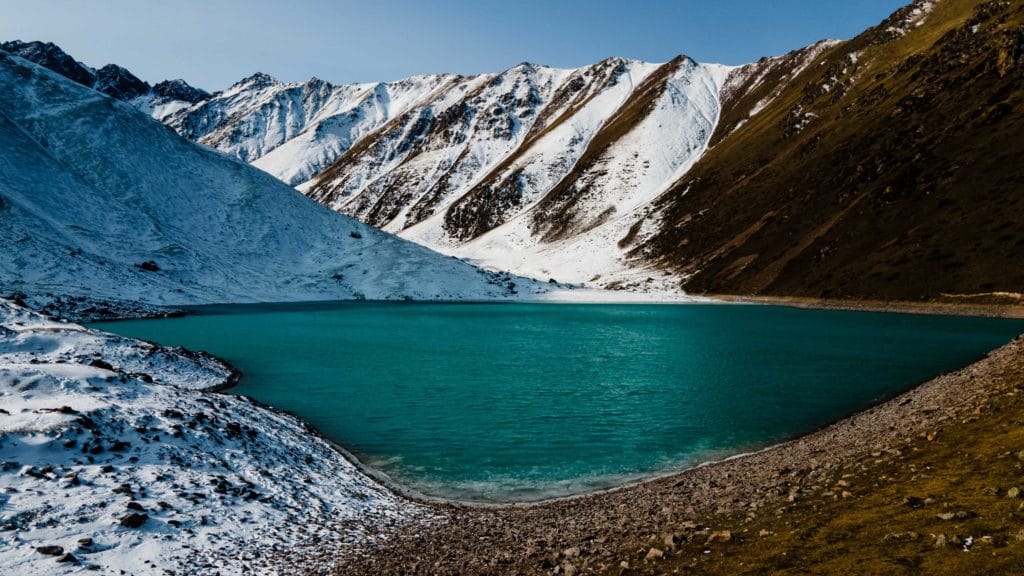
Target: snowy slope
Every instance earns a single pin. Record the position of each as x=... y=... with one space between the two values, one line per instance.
x=542 y=171
x=95 y=428
x=295 y=130
x=537 y=170
x=90 y=190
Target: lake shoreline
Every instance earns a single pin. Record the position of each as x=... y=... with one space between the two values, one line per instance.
x=676 y=501
x=935 y=308
x=607 y=522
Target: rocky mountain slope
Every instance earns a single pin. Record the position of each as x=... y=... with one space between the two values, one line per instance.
x=888 y=167
x=99 y=200
x=881 y=167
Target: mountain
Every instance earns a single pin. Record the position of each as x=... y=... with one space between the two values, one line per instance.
x=295 y=130
x=98 y=199
x=882 y=167
x=113 y=80
x=536 y=169
x=886 y=167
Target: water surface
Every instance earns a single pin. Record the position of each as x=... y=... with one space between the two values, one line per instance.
x=525 y=401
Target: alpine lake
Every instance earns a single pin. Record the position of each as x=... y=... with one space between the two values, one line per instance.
x=505 y=402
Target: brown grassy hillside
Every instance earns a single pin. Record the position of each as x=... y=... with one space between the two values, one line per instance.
x=890 y=167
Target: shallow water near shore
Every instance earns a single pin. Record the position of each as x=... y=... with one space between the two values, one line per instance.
x=514 y=402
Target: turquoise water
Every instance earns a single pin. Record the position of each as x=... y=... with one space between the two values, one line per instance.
x=525 y=401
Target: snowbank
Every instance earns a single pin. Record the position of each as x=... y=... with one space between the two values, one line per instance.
x=111 y=450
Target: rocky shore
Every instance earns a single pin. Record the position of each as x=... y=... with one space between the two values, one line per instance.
x=697 y=520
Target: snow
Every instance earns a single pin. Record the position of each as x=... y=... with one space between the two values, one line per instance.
x=653 y=155
x=294 y=131
x=405 y=180
x=535 y=122
x=92 y=423
x=90 y=189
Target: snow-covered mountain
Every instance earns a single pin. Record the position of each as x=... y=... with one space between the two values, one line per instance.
x=542 y=171
x=538 y=170
x=97 y=199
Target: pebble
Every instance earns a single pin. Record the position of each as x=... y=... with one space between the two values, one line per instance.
x=720 y=536
x=895 y=537
x=913 y=502
x=654 y=554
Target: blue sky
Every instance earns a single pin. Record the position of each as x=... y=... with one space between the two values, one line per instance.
x=213 y=43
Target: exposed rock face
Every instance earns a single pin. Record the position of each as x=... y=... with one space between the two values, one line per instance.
x=101 y=201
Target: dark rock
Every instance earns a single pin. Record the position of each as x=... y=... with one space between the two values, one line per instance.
x=120 y=446
x=179 y=90
x=913 y=502
x=101 y=364
x=69 y=557
x=148 y=266
x=50 y=550
x=136 y=506
x=133 y=520
x=85 y=542
x=172 y=413
x=119 y=83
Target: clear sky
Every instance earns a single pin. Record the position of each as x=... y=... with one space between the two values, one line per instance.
x=213 y=43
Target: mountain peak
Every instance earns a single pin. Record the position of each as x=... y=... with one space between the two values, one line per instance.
x=257 y=80
x=117 y=82
x=180 y=90
x=51 y=56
